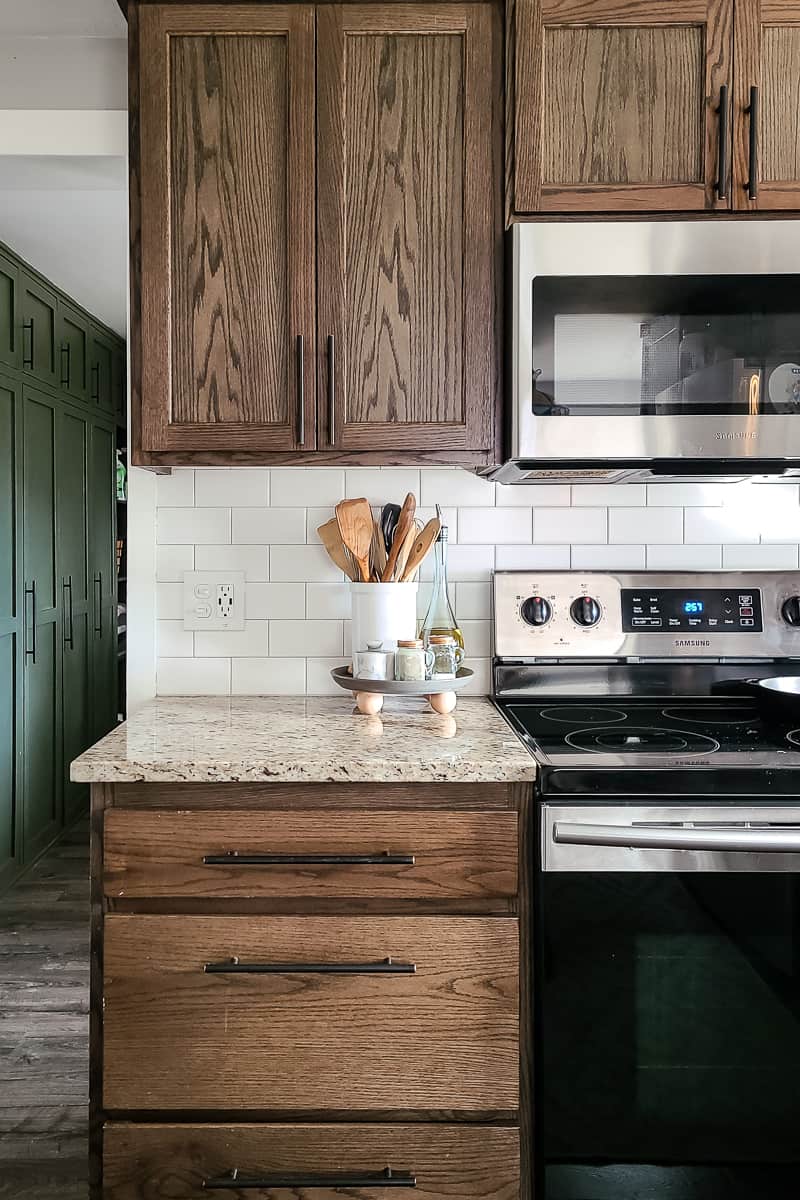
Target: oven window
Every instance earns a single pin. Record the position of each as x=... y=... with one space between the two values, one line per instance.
x=663 y=345
x=668 y=1048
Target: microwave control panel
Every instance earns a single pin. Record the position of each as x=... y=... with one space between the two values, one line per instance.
x=692 y=610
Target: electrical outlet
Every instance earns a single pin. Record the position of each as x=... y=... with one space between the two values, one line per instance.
x=213 y=600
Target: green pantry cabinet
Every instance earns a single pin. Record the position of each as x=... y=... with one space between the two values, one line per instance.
x=62 y=399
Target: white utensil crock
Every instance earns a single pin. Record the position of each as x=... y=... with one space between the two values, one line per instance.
x=382 y=612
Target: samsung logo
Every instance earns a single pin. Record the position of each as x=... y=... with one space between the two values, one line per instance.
x=735 y=435
x=680 y=642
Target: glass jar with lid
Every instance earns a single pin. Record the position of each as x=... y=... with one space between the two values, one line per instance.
x=412 y=661
x=447 y=656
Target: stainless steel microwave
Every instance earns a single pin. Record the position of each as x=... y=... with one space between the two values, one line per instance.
x=654 y=350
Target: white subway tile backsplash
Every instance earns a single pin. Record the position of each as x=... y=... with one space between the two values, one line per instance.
x=253 y=560
x=481 y=683
x=269 y=526
x=245 y=486
x=264 y=521
x=570 y=525
x=188 y=526
x=634 y=525
x=306 y=639
x=492 y=525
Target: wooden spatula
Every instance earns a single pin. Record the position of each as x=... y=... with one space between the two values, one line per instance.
x=378 y=559
x=421 y=548
x=332 y=541
x=355 y=522
x=405 y=550
x=404 y=522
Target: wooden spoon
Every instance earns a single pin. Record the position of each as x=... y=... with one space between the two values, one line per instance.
x=404 y=522
x=421 y=548
x=332 y=541
x=378 y=558
x=405 y=549
x=355 y=522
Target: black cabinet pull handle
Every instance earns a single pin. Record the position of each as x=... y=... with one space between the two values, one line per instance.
x=752 y=183
x=69 y=637
x=235 y=967
x=722 y=181
x=331 y=390
x=95 y=381
x=31 y=591
x=65 y=361
x=98 y=607
x=235 y=1182
x=233 y=858
x=301 y=390
x=27 y=327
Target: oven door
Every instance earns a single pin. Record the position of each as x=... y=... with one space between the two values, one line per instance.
x=640 y=342
x=668 y=1003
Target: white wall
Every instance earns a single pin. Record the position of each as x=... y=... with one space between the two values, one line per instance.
x=264 y=522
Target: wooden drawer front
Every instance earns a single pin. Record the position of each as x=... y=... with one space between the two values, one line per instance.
x=447 y=1162
x=470 y=855
x=177 y=1036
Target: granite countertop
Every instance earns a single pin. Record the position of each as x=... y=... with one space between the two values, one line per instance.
x=306 y=739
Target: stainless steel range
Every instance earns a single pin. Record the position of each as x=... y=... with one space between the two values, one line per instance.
x=667 y=976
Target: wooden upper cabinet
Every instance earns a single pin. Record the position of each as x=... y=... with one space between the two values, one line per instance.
x=409 y=234
x=618 y=105
x=227 y=227
x=767 y=134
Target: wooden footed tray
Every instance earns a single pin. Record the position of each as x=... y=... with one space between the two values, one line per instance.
x=374 y=690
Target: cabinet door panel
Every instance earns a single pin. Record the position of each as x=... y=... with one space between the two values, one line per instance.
x=618 y=104
x=73 y=350
x=10 y=622
x=407 y=188
x=767 y=141
x=9 y=312
x=227 y=228
x=76 y=712
x=9 y=730
x=42 y=740
x=101 y=356
x=102 y=604
x=39 y=316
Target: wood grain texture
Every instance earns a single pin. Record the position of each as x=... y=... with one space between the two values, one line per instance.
x=616 y=104
x=623 y=105
x=269 y=797
x=160 y=1161
x=444 y=1037
x=780 y=112
x=227 y=219
x=457 y=855
x=409 y=195
x=162 y=463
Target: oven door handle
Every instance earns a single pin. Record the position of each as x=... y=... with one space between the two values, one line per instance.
x=734 y=838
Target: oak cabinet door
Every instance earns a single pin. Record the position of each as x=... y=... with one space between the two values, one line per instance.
x=767 y=105
x=623 y=105
x=227 y=227
x=408 y=198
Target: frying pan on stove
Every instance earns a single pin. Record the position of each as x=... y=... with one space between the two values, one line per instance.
x=778 y=696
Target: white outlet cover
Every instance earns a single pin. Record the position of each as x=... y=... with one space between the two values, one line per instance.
x=200 y=600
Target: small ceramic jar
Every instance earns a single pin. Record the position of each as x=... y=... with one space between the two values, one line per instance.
x=447 y=656
x=412 y=661
x=374 y=662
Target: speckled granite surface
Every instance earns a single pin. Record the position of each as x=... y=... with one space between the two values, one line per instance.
x=306 y=739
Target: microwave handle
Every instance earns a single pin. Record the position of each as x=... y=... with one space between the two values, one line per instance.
x=734 y=838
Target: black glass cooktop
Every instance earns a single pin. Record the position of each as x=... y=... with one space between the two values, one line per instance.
x=646 y=733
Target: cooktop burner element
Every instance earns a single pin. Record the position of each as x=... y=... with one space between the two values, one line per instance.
x=636 y=739
x=577 y=714
x=719 y=714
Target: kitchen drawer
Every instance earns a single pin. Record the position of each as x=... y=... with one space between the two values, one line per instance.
x=447 y=1162
x=388 y=855
x=307 y=1014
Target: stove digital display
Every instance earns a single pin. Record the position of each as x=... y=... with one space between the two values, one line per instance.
x=706 y=610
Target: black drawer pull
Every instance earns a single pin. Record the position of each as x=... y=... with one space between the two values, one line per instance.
x=235 y=967
x=65 y=363
x=385 y=1178
x=234 y=859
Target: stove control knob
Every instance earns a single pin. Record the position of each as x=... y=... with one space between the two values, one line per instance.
x=585 y=611
x=536 y=610
x=791 y=610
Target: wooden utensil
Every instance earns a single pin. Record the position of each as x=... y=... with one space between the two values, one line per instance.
x=331 y=539
x=355 y=522
x=421 y=548
x=405 y=549
x=378 y=555
x=404 y=522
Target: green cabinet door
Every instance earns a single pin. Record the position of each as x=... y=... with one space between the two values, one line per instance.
x=10 y=624
x=102 y=572
x=72 y=555
x=73 y=352
x=39 y=321
x=119 y=374
x=101 y=359
x=9 y=314
x=42 y=650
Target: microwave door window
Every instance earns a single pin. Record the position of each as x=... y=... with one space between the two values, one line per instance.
x=598 y=362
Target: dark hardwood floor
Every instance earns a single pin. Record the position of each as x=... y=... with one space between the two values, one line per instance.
x=44 y=1025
